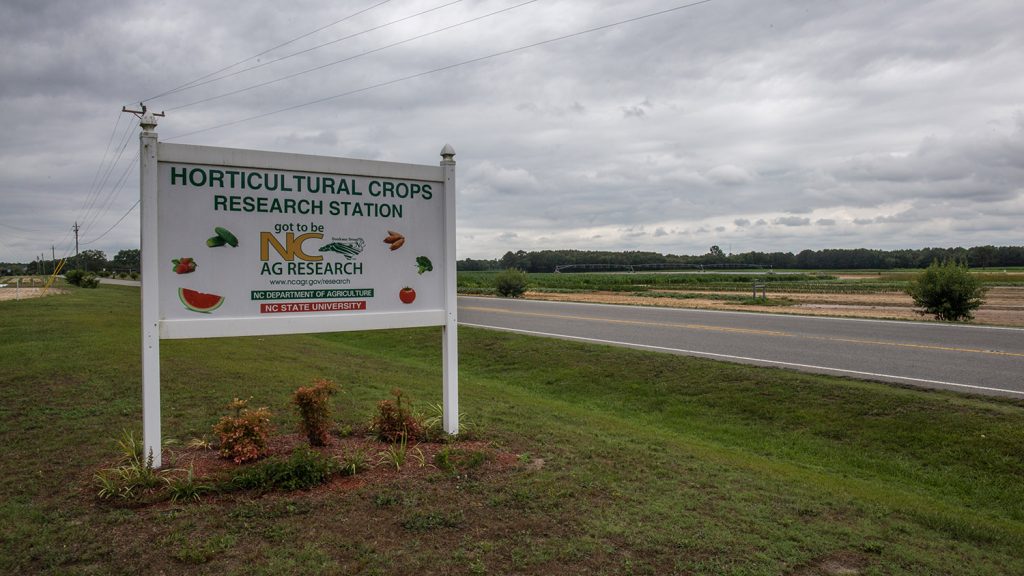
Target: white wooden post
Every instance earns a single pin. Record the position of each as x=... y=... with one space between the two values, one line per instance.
x=150 y=291
x=450 y=335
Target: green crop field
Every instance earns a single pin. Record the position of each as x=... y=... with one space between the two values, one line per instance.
x=823 y=282
x=622 y=461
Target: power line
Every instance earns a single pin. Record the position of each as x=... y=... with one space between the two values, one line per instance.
x=12 y=227
x=300 y=52
x=103 y=170
x=350 y=58
x=114 y=226
x=281 y=45
x=95 y=194
x=443 y=68
x=103 y=160
x=111 y=194
x=114 y=192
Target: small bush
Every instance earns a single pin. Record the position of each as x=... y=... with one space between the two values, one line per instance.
x=395 y=421
x=510 y=283
x=303 y=470
x=243 y=437
x=948 y=291
x=81 y=278
x=74 y=277
x=313 y=405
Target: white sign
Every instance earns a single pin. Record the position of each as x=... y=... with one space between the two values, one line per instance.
x=245 y=242
x=264 y=243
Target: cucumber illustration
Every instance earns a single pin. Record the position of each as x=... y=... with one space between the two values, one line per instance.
x=227 y=236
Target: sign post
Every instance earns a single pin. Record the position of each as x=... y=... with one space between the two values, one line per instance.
x=150 y=291
x=450 y=347
x=248 y=243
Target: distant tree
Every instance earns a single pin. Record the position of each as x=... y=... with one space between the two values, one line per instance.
x=92 y=260
x=126 y=260
x=982 y=256
x=947 y=290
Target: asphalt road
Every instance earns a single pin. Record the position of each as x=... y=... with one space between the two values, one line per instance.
x=977 y=359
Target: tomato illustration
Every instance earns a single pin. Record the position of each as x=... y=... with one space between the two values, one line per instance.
x=407 y=295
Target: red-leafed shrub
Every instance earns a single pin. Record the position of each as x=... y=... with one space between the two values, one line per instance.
x=314 y=407
x=243 y=437
x=395 y=420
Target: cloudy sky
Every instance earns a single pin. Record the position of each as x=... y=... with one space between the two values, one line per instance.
x=749 y=124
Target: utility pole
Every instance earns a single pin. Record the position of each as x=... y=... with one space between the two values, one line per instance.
x=76 y=228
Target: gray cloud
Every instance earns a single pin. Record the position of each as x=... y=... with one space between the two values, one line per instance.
x=792 y=221
x=836 y=113
x=729 y=175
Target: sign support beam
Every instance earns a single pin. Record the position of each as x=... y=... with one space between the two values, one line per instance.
x=450 y=346
x=150 y=292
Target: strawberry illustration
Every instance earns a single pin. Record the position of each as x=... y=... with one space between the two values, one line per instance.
x=184 y=265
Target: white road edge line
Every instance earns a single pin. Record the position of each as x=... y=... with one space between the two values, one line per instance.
x=744 y=358
x=930 y=325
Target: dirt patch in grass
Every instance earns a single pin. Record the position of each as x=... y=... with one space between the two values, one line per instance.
x=844 y=563
x=23 y=293
x=1004 y=306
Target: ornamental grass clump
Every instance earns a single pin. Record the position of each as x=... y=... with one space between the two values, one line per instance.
x=314 y=408
x=243 y=437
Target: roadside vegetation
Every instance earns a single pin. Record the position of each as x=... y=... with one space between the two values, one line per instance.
x=948 y=291
x=997 y=295
x=614 y=461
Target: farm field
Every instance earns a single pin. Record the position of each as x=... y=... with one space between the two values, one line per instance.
x=845 y=293
x=593 y=460
x=29 y=287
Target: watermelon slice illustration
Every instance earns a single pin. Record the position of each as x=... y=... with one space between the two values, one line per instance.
x=199 y=301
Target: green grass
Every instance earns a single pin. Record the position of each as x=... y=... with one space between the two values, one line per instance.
x=633 y=462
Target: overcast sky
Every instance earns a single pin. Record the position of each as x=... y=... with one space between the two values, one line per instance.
x=749 y=124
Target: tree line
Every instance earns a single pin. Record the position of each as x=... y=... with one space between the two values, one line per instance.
x=89 y=260
x=827 y=259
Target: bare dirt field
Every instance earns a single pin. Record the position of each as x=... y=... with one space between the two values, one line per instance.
x=12 y=293
x=1004 y=306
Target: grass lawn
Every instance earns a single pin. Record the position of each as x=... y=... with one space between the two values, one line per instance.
x=627 y=462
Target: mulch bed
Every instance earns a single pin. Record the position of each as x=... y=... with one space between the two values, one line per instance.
x=208 y=467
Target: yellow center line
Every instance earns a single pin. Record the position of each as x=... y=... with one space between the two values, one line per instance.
x=630 y=322
x=777 y=333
